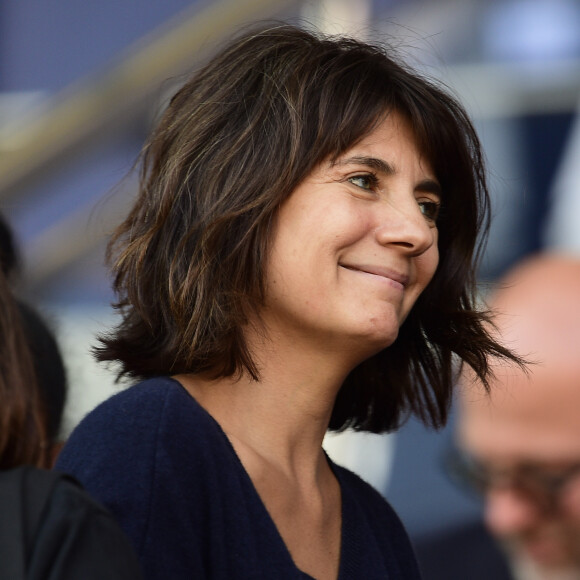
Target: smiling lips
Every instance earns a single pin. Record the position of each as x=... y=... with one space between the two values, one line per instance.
x=399 y=279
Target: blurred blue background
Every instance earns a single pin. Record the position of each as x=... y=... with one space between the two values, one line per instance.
x=81 y=82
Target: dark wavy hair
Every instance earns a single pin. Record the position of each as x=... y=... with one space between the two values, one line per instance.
x=233 y=144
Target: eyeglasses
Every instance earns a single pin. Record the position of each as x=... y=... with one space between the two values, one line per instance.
x=545 y=487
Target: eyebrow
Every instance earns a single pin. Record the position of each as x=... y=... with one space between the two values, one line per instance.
x=427 y=185
x=372 y=162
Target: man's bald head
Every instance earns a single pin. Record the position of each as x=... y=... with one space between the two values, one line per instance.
x=531 y=421
x=537 y=314
x=537 y=306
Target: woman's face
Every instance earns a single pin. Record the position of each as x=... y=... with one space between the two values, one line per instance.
x=355 y=244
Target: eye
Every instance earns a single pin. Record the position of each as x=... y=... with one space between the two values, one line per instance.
x=430 y=209
x=366 y=181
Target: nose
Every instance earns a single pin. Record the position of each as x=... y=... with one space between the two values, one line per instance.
x=403 y=225
x=508 y=511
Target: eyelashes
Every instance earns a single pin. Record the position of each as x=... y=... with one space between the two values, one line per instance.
x=430 y=209
x=365 y=181
x=369 y=182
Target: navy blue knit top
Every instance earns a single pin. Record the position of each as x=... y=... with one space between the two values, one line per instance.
x=168 y=473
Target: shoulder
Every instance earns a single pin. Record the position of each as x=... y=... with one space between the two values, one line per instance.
x=131 y=416
x=450 y=553
x=67 y=534
x=87 y=540
x=142 y=401
x=120 y=442
x=140 y=453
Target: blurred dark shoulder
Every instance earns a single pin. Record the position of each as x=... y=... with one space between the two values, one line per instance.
x=463 y=552
x=51 y=529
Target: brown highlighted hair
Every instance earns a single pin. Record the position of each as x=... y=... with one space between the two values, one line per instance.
x=23 y=439
x=233 y=144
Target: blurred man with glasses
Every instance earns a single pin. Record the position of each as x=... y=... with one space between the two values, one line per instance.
x=519 y=447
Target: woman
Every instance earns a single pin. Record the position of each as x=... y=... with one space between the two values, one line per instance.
x=50 y=528
x=300 y=256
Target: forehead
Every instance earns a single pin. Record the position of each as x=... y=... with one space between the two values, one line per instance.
x=533 y=418
x=391 y=140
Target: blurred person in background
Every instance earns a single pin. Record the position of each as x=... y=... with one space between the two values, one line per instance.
x=47 y=359
x=50 y=374
x=23 y=432
x=9 y=256
x=50 y=528
x=519 y=447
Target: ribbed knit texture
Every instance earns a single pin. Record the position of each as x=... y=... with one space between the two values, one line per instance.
x=168 y=473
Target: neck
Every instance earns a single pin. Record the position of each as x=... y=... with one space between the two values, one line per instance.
x=284 y=416
x=275 y=423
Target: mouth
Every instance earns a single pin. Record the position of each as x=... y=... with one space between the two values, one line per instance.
x=544 y=550
x=400 y=280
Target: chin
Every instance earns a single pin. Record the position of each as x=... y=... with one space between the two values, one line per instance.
x=375 y=342
x=528 y=569
x=382 y=328
x=525 y=567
